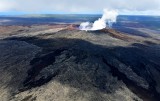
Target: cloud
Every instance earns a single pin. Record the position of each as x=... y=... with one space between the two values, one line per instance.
x=80 y=6
x=6 y=5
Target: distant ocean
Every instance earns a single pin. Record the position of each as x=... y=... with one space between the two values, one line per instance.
x=150 y=21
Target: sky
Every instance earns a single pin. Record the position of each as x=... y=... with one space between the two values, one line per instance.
x=124 y=7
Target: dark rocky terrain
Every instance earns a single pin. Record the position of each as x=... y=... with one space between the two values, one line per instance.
x=62 y=63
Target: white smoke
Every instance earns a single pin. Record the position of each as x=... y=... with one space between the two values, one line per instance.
x=108 y=18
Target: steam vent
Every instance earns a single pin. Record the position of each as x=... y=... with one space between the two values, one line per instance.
x=80 y=58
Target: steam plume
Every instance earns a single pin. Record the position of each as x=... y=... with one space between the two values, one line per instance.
x=108 y=18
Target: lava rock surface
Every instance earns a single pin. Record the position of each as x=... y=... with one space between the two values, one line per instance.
x=61 y=64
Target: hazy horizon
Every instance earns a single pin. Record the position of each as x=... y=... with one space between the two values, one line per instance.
x=45 y=14
x=124 y=7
